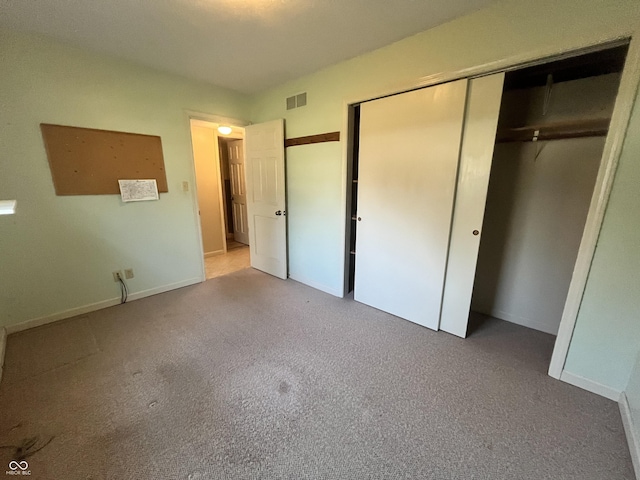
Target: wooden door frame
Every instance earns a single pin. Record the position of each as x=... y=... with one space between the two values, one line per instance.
x=621 y=115
x=210 y=118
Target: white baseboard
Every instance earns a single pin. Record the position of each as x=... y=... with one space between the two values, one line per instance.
x=214 y=254
x=72 y=312
x=630 y=429
x=3 y=344
x=318 y=286
x=590 y=386
x=164 y=288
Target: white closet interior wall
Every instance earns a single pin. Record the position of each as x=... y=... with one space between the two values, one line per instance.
x=537 y=203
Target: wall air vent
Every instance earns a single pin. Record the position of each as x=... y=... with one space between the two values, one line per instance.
x=296 y=101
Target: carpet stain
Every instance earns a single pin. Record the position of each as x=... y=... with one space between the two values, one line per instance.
x=181 y=376
x=112 y=453
x=284 y=387
x=27 y=447
x=264 y=403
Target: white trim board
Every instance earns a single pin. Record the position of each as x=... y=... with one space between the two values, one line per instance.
x=214 y=118
x=590 y=386
x=3 y=345
x=507 y=64
x=92 y=307
x=164 y=288
x=630 y=432
x=318 y=286
x=604 y=183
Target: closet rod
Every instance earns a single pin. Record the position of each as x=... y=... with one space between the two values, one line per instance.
x=594 y=127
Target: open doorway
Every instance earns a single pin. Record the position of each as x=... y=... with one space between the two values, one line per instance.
x=218 y=155
x=232 y=166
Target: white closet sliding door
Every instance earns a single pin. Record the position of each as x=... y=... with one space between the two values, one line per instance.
x=479 y=136
x=408 y=161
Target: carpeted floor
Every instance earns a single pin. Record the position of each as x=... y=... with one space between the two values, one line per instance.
x=250 y=377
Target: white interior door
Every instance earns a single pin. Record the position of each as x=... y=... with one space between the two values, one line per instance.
x=408 y=161
x=266 y=197
x=478 y=140
x=238 y=191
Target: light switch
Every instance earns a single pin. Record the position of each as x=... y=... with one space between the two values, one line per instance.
x=7 y=207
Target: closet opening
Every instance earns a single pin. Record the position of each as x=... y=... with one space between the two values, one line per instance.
x=551 y=133
x=352 y=198
x=473 y=203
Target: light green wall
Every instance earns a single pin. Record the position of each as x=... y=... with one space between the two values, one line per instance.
x=57 y=253
x=510 y=29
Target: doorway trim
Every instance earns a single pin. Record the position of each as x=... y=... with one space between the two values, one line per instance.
x=621 y=115
x=211 y=118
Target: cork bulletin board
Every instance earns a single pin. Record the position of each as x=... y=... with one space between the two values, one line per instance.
x=85 y=161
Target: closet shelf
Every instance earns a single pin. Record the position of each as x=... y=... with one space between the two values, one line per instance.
x=593 y=127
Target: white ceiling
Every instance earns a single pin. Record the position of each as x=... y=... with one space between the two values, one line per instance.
x=246 y=45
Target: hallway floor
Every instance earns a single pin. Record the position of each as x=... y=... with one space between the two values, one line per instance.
x=236 y=258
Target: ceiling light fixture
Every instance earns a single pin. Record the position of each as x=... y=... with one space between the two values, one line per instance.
x=224 y=130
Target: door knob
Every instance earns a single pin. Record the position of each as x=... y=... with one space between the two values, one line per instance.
x=476 y=232
x=279 y=212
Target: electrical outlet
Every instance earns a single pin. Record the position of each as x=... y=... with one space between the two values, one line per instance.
x=115 y=275
x=128 y=273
